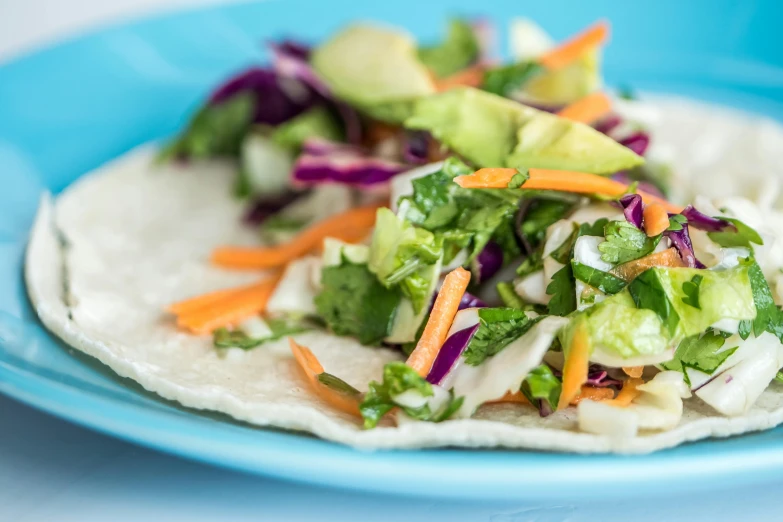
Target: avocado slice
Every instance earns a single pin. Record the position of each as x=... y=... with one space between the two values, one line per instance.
x=492 y=131
x=568 y=84
x=367 y=66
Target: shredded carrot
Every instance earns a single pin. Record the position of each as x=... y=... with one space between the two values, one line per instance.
x=312 y=368
x=630 y=270
x=560 y=180
x=627 y=394
x=588 y=109
x=633 y=371
x=575 y=367
x=231 y=309
x=511 y=398
x=348 y=225
x=442 y=315
x=471 y=77
x=592 y=393
x=656 y=219
x=575 y=47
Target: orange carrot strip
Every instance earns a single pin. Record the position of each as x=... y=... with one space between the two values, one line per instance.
x=346 y=225
x=575 y=47
x=656 y=219
x=575 y=367
x=633 y=371
x=630 y=270
x=311 y=369
x=560 y=180
x=231 y=309
x=472 y=77
x=627 y=394
x=511 y=398
x=588 y=109
x=204 y=300
x=439 y=322
x=592 y=393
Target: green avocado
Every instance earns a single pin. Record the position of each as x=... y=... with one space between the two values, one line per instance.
x=492 y=131
x=566 y=85
x=368 y=66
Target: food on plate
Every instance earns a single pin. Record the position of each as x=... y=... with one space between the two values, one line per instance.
x=392 y=244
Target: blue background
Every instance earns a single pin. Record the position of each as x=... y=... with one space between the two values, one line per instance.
x=67 y=109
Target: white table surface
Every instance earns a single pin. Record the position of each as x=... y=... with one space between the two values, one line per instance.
x=51 y=470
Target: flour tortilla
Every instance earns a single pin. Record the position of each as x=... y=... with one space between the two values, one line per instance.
x=122 y=243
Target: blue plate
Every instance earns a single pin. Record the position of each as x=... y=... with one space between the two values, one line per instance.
x=67 y=109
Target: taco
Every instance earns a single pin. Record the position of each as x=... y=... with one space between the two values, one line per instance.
x=433 y=250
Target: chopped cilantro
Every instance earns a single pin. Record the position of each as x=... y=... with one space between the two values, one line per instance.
x=498 y=327
x=398 y=378
x=563 y=291
x=457 y=51
x=691 y=291
x=740 y=236
x=509 y=296
x=769 y=318
x=216 y=130
x=779 y=377
x=624 y=242
x=518 y=179
x=462 y=218
x=702 y=352
x=353 y=302
x=604 y=281
x=278 y=328
x=506 y=79
x=676 y=222
x=541 y=385
x=648 y=292
x=532 y=263
x=539 y=214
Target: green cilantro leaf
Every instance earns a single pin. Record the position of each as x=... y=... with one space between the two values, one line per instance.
x=498 y=327
x=215 y=130
x=648 y=292
x=532 y=263
x=745 y=328
x=518 y=179
x=507 y=79
x=604 y=281
x=278 y=328
x=769 y=318
x=701 y=352
x=624 y=242
x=353 y=302
x=459 y=50
x=676 y=222
x=541 y=385
x=398 y=377
x=509 y=296
x=742 y=236
x=563 y=291
x=462 y=218
x=779 y=377
x=691 y=291
x=565 y=251
x=539 y=215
